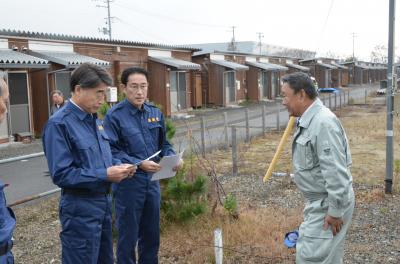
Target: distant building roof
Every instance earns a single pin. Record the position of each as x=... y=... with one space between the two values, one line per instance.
x=253 y=47
x=15 y=59
x=298 y=67
x=267 y=66
x=176 y=63
x=68 y=59
x=339 y=66
x=231 y=65
x=62 y=37
x=329 y=66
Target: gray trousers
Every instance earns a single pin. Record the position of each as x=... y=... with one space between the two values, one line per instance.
x=316 y=245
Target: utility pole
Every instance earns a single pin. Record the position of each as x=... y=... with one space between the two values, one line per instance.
x=104 y=30
x=389 y=100
x=354 y=35
x=260 y=36
x=232 y=45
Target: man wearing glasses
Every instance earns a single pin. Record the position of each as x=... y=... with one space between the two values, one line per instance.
x=137 y=131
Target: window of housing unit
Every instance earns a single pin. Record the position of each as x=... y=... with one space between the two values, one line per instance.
x=62 y=83
x=263 y=84
x=19 y=102
x=178 y=90
x=229 y=86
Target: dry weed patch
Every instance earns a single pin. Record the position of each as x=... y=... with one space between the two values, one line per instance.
x=257 y=236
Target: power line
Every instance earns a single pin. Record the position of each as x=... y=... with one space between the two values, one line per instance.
x=161 y=16
x=145 y=34
x=324 y=26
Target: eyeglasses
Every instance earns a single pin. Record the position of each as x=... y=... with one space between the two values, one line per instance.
x=135 y=87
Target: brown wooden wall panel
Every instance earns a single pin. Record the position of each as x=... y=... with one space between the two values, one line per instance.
x=336 y=77
x=19 y=43
x=215 y=84
x=253 y=91
x=241 y=93
x=196 y=95
x=187 y=56
x=40 y=100
x=345 y=77
x=157 y=93
x=127 y=57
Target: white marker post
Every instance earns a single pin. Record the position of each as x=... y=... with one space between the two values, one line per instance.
x=218 y=246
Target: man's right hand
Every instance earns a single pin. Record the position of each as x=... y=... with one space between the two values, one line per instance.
x=118 y=173
x=150 y=166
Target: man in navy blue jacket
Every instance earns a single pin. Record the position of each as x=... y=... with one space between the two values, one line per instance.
x=7 y=218
x=137 y=131
x=80 y=162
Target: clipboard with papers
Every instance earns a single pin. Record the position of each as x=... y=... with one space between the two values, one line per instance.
x=167 y=163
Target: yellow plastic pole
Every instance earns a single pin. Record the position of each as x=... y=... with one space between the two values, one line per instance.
x=287 y=132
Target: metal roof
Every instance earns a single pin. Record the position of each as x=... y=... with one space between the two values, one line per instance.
x=229 y=64
x=298 y=67
x=339 y=66
x=14 y=59
x=361 y=66
x=176 y=63
x=253 y=47
x=329 y=66
x=267 y=66
x=68 y=59
x=62 y=37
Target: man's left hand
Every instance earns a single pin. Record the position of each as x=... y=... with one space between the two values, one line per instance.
x=179 y=166
x=335 y=222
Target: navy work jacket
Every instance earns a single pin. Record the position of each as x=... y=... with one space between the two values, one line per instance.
x=135 y=134
x=77 y=149
x=7 y=218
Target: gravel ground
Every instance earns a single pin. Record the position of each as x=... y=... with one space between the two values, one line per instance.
x=373 y=238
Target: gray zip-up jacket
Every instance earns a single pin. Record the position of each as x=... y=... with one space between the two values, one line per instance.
x=321 y=159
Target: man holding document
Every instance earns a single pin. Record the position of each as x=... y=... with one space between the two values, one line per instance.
x=137 y=132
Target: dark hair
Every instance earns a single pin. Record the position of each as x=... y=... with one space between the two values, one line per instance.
x=89 y=76
x=133 y=70
x=300 y=81
x=56 y=92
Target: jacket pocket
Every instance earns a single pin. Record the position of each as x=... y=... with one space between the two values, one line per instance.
x=303 y=153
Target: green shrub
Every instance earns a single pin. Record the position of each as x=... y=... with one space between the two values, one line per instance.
x=230 y=205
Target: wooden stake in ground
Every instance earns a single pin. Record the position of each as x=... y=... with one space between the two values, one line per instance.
x=282 y=143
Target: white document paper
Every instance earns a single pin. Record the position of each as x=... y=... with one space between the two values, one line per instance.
x=152 y=156
x=167 y=163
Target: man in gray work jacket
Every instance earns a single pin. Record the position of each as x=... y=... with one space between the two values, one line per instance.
x=321 y=160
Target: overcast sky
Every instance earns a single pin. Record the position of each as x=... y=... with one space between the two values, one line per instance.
x=317 y=25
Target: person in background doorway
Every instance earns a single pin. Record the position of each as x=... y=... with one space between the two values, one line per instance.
x=57 y=98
